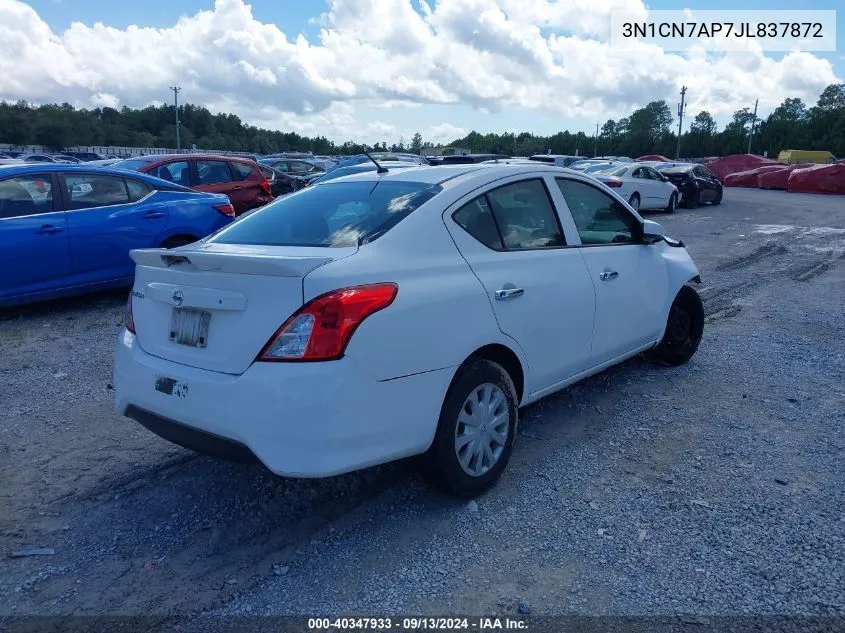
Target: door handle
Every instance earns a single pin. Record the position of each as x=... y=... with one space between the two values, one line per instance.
x=237 y=187
x=49 y=229
x=608 y=275
x=152 y=215
x=509 y=293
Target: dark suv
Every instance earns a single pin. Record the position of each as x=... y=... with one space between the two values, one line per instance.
x=695 y=183
x=239 y=178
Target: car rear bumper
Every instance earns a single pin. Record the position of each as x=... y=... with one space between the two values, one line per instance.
x=298 y=419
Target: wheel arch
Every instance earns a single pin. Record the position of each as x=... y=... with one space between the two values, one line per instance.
x=504 y=356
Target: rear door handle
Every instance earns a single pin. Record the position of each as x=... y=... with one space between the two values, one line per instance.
x=237 y=187
x=152 y=215
x=509 y=293
x=49 y=229
x=608 y=275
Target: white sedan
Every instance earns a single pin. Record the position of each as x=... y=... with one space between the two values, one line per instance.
x=397 y=313
x=641 y=185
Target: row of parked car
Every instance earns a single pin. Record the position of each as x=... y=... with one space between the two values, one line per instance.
x=68 y=227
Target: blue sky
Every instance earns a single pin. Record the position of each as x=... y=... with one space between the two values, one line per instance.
x=297 y=17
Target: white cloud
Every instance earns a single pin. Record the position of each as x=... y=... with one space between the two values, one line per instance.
x=444 y=133
x=551 y=56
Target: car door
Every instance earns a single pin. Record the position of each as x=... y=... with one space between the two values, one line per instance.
x=649 y=189
x=175 y=171
x=34 y=252
x=540 y=291
x=108 y=216
x=246 y=191
x=630 y=278
x=663 y=189
x=215 y=176
x=709 y=184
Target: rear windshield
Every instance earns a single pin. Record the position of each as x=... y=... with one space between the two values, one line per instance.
x=332 y=215
x=135 y=164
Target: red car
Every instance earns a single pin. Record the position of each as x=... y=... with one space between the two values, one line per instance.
x=239 y=178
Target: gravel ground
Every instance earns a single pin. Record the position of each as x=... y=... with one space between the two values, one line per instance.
x=713 y=488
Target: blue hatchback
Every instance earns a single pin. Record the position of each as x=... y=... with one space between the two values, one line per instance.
x=68 y=229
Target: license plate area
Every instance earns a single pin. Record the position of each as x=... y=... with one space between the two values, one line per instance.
x=190 y=327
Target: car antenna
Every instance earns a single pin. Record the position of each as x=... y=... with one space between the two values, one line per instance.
x=379 y=168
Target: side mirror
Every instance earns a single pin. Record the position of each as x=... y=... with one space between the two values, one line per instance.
x=652 y=232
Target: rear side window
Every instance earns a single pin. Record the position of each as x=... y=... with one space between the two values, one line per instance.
x=26 y=195
x=242 y=171
x=213 y=172
x=177 y=172
x=332 y=215
x=137 y=189
x=518 y=216
x=86 y=191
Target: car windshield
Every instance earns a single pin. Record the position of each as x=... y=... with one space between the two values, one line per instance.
x=333 y=215
x=133 y=164
x=592 y=168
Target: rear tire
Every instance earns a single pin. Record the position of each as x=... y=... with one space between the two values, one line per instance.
x=693 y=201
x=180 y=240
x=673 y=203
x=476 y=431
x=684 y=328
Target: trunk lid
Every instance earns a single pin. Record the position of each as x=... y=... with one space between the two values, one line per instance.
x=215 y=306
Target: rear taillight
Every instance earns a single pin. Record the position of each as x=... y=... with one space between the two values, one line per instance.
x=225 y=209
x=321 y=329
x=128 y=317
x=265 y=185
x=613 y=183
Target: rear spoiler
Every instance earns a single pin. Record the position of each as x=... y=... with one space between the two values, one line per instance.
x=243 y=264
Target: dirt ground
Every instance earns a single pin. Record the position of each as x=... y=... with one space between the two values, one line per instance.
x=711 y=488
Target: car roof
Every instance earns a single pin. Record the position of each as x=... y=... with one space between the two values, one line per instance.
x=155 y=158
x=438 y=175
x=41 y=168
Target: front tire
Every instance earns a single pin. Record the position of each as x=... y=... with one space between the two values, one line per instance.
x=476 y=431
x=684 y=328
x=673 y=203
x=634 y=201
x=718 y=198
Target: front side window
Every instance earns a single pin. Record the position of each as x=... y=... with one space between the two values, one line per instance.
x=213 y=172
x=330 y=215
x=600 y=219
x=85 y=191
x=26 y=195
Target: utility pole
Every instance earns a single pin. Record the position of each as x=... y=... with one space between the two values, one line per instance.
x=596 y=153
x=681 y=109
x=753 y=121
x=176 y=90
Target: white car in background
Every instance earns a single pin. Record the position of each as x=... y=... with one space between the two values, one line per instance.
x=641 y=185
x=396 y=313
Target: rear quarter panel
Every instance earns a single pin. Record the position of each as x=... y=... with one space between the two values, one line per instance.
x=192 y=214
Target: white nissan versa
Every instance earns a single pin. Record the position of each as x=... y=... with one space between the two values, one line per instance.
x=396 y=313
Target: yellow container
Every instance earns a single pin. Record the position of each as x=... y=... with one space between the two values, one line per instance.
x=795 y=156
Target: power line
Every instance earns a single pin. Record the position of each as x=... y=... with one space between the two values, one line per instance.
x=176 y=90
x=681 y=110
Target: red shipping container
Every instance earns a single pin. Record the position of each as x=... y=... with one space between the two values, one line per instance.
x=749 y=178
x=818 y=179
x=723 y=167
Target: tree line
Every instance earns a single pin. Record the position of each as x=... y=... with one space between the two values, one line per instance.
x=648 y=130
